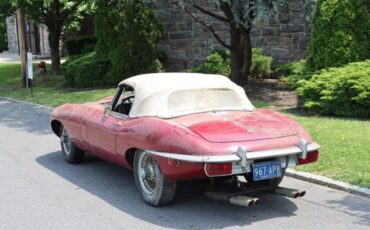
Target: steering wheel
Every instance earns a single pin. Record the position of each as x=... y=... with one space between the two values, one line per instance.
x=125 y=107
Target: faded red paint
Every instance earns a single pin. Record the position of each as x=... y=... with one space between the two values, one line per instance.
x=203 y=134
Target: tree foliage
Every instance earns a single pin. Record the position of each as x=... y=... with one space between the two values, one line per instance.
x=57 y=15
x=341 y=33
x=5 y=10
x=3 y=38
x=128 y=33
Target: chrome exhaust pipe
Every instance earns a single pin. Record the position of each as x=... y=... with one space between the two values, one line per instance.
x=240 y=200
x=288 y=192
x=244 y=201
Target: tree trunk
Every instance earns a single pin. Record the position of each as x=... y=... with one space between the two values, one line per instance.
x=55 y=24
x=241 y=54
x=236 y=54
x=247 y=53
x=54 y=38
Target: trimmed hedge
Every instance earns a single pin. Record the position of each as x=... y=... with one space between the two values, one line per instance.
x=218 y=62
x=87 y=70
x=81 y=45
x=343 y=91
x=341 y=33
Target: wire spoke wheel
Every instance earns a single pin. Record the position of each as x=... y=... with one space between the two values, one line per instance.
x=148 y=173
x=66 y=142
x=71 y=152
x=155 y=188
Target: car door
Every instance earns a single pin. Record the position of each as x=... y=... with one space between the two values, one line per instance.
x=101 y=134
x=100 y=130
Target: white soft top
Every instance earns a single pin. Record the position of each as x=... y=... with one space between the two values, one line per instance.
x=168 y=95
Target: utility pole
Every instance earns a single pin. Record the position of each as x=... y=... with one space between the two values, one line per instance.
x=22 y=44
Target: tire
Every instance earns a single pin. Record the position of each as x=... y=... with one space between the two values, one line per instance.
x=72 y=154
x=155 y=189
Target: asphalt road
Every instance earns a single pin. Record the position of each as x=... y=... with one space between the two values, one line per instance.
x=38 y=190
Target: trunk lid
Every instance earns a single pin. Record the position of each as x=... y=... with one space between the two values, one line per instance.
x=237 y=126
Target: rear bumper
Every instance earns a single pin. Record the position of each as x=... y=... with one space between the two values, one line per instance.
x=242 y=161
x=238 y=156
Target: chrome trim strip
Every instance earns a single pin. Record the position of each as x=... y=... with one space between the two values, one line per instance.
x=196 y=158
x=234 y=157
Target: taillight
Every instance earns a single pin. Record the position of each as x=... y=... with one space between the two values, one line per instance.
x=311 y=157
x=223 y=169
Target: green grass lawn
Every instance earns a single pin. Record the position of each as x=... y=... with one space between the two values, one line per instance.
x=345 y=148
x=48 y=90
x=345 y=143
x=10 y=76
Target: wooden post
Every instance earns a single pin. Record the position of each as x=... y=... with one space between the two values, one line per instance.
x=22 y=44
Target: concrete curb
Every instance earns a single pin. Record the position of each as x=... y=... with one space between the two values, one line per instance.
x=305 y=176
x=325 y=181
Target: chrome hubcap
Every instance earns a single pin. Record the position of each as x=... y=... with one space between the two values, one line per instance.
x=148 y=173
x=66 y=142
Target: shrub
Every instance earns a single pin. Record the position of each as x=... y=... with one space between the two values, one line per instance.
x=218 y=62
x=86 y=71
x=128 y=33
x=343 y=91
x=261 y=64
x=341 y=33
x=81 y=45
x=293 y=72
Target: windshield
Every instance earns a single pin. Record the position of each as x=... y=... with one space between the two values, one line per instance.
x=196 y=100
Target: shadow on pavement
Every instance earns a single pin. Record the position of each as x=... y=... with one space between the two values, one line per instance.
x=190 y=209
x=25 y=117
x=354 y=206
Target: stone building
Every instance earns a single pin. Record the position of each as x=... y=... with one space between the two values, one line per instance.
x=36 y=35
x=188 y=43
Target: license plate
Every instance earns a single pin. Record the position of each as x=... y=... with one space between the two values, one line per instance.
x=266 y=170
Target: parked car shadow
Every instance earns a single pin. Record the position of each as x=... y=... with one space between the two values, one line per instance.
x=190 y=209
x=22 y=116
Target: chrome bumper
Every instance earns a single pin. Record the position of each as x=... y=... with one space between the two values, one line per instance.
x=242 y=155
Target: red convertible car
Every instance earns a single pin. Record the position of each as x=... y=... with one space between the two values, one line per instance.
x=171 y=127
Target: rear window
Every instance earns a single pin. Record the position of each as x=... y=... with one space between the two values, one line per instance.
x=195 y=100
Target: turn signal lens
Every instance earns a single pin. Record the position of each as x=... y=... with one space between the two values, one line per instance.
x=223 y=169
x=311 y=157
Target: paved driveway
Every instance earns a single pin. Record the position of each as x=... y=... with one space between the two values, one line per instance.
x=6 y=57
x=38 y=190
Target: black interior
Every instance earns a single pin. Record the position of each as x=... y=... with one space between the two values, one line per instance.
x=125 y=105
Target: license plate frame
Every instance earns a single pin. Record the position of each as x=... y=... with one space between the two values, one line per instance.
x=266 y=170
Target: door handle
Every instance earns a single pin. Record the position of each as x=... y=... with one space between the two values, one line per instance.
x=117 y=124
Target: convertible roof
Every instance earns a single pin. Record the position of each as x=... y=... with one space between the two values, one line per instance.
x=159 y=85
x=172 y=81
